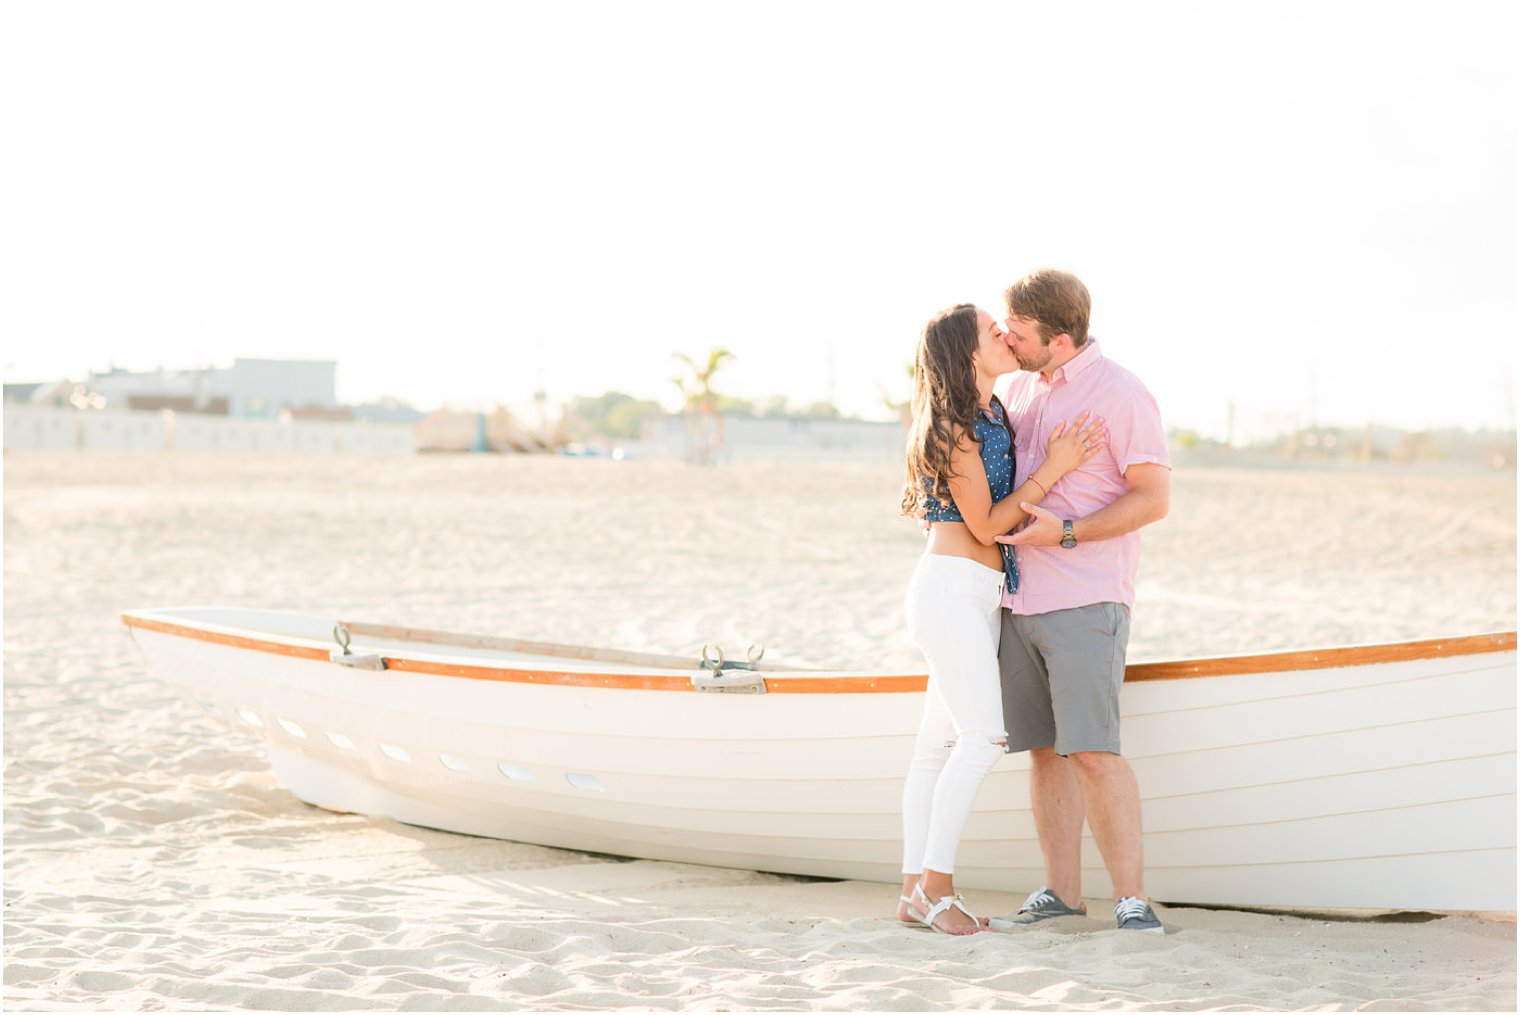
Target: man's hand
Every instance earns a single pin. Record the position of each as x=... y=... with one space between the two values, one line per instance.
x=1043 y=528
x=1147 y=501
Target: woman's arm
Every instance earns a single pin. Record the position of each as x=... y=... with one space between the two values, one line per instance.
x=1067 y=450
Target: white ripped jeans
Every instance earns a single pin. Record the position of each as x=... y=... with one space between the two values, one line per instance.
x=952 y=608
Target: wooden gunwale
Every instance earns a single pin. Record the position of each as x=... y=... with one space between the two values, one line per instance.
x=1325 y=658
x=840 y=683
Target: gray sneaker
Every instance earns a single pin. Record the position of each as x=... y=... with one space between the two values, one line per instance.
x=1133 y=913
x=1042 y=905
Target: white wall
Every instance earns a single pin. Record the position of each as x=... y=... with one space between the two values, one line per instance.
x=121 y=431
x=40 y=428
x=751 y=438
x=36 y=427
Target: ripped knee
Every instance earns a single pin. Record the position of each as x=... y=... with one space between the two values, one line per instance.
x=979 y=737
x=984 y=745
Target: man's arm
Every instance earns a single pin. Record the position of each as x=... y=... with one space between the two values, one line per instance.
x=1148 y=500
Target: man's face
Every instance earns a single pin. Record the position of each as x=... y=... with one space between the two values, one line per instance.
x=1024 y=340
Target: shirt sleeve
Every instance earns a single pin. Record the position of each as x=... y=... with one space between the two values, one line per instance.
x=1135 y=433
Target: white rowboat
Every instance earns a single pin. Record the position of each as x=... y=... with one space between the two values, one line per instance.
x=1370 y=777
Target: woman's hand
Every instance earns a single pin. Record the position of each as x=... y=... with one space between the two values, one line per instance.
x=1070 y=447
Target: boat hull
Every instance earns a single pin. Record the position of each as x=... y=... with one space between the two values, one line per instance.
x=1383 y=785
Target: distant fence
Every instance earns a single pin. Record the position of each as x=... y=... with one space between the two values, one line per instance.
x=40 y=428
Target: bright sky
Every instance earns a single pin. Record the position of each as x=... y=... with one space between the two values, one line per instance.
x=1308 y=209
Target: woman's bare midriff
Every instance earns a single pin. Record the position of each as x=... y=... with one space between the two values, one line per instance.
x=954 y=539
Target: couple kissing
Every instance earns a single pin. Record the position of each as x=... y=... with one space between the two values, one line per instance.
x=1020 y=604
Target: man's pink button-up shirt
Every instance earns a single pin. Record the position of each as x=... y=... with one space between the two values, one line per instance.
x=1101 y=571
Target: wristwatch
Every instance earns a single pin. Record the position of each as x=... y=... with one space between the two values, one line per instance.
x=1068 y=537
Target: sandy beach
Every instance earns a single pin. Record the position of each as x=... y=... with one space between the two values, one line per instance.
x=151 y=862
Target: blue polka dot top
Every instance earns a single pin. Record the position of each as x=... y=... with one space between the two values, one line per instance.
x=992 y=432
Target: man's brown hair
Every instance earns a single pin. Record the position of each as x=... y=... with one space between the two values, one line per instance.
x=1056 y=300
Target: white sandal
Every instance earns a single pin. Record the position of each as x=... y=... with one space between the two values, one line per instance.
x=928 y=913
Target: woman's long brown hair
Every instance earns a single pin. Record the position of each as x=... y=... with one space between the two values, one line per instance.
x=945 y=402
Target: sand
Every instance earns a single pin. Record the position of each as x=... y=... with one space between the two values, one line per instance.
x=151 y=862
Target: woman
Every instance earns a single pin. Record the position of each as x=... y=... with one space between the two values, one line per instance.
x=960 y=470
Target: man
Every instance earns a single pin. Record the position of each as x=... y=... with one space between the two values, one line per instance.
x=1066 y=630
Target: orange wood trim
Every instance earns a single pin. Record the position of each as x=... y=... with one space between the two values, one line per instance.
x=216 y=637
x=892 y=683
x=1325 y=658
x=864 y=683
x=660 y=682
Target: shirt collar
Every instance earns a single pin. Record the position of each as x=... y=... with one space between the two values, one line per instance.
x=1084 y=360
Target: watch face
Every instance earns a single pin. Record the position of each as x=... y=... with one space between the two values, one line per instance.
x=1068 y=543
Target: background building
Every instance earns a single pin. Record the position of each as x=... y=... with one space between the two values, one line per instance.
x=261 y=388
x=249 y=389
x=253 y=405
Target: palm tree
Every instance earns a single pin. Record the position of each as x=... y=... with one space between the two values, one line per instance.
x=701 y=403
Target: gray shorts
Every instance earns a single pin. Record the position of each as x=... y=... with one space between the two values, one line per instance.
x=1061 y=677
